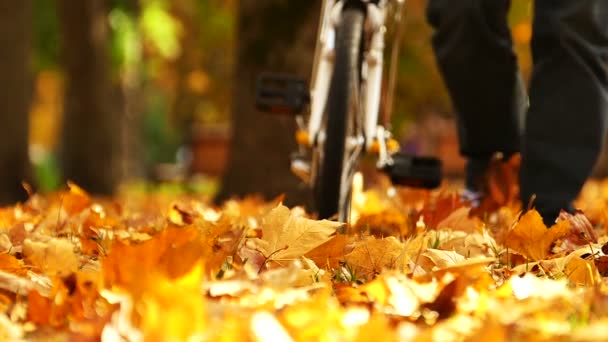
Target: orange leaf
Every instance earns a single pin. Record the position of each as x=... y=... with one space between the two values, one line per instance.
x=75 y=200
x=89 y=247
x=434 y=212
x=39 y=308
x=531 y=238
x=500 y=185
x=330 y=253
x=179 y=217
x=10 y=264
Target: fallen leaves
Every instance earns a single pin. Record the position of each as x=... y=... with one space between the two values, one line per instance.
x=370 y=257
x=53 y=257
x=416 y=266
x=287 y=236
x=531 y=238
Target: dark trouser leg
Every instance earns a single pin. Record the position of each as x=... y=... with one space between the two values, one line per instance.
x=568 y=101
x=473 y=49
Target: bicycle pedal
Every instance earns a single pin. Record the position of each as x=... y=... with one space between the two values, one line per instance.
x=414 y=171
x=281 y=94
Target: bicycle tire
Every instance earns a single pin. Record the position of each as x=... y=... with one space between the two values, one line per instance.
x=339 y=113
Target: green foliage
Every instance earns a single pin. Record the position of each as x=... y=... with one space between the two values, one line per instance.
x=46 y=173
x=162 y=141
x=161 y=29
x=125 y=41
x=46 y=35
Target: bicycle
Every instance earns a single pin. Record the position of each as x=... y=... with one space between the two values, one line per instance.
x=344 y=104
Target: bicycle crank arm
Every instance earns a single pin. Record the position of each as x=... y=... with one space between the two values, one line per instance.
x=414 y=171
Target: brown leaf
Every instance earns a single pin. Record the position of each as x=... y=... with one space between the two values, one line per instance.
x=601 y=263
x=581 y=231
x=445 y=303
x=500 y=185
x=179 y=216
x=437 y=210
x=89 y=247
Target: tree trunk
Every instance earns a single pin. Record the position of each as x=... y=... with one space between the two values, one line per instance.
x=278 y=36
x=15 y=79
x=90 y=146
x=131 y=158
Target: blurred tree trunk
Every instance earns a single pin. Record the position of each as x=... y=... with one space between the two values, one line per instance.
x=90 y=143
x=15 y=79
x=131 y=159
x=273 y=35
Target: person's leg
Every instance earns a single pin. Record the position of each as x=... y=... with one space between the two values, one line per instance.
x=473 y=49
x=568 y=102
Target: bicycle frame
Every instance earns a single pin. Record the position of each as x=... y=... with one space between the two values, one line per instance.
x=371 y=75
x=360 y=105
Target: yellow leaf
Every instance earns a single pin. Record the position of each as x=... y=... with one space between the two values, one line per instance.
x=461 y=220
x=54 y=257
x=531 y=238
x=287 y=236
x=174 y=310
x=378 y=325
x=581 y=271
x=313 y=319
x=443 y=259
x=371 y=256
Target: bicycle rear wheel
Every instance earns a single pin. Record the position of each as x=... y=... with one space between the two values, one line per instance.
x=332 y=186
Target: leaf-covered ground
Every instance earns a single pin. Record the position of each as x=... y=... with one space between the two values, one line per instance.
x=414 y=265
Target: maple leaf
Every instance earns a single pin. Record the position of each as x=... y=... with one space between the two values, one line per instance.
x=443 y=259
x=172 y=309
x=460 y=219
x=311 y=319
x=330 y=253
x=531 y=238
x=10 y=264
x=581 y=231
x=500 y=185
x=386 y=223
x=581 y=269
x=371 y=256
x=54 y=257
x=437 y=210
x=75 y=200
x=287 y=236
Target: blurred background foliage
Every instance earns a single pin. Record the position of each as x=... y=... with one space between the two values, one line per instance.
x=180 y=55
